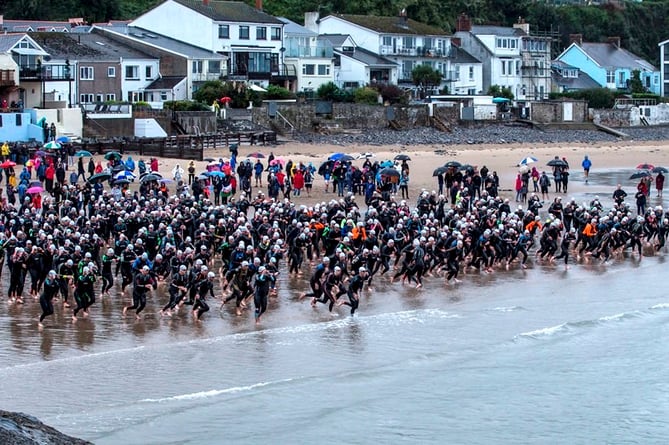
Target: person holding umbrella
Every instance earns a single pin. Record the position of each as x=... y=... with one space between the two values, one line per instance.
x=659 y=183
x=91 y=167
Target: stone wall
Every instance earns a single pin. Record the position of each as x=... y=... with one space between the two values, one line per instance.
x=615 y=118
x=345 y=116
x=552 y=111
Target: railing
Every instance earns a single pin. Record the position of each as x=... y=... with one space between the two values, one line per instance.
x=285 y=122
x=45 y=72
x=309 y=51
x=421 y=51
x=242 y=72
x=203 y=77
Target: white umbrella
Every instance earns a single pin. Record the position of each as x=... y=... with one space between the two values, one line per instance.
x=259 y=89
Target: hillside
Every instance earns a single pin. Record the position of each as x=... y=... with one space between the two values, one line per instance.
x=640 y=25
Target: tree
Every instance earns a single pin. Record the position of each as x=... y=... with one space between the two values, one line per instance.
x=498 y=91
x=636 y=86
x=425 y=78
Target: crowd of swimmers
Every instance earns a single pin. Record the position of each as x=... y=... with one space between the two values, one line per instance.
x=76 y=248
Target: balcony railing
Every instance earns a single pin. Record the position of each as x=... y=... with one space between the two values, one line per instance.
x=420 y=51
x=204 y=77
x=45 y=72
x=243 y=72
x=308 y=51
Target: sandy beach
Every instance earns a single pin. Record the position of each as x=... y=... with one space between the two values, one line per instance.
x=622 y=156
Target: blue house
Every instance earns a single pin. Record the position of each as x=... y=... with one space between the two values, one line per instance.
x=610 y=65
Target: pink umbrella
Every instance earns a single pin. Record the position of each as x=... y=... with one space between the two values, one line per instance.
x=277 y=161
x=35 y=189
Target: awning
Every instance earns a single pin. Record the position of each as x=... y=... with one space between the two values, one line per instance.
x=29 y=52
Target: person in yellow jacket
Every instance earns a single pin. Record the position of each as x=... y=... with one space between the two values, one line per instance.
x=4 y=151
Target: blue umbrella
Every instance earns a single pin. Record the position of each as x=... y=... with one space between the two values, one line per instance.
x=528 y=160
x=336 y=156
x=500 y=100
x=83 y=154
x=125 y=175
x=385 y=164
x=63 y=140
x=53 y=145
x=215 y=173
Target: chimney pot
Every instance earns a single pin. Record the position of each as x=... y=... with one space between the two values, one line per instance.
x=576 y=38
x=463 y=23
x=259 y=5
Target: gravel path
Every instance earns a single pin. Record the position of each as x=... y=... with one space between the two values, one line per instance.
x=488 y=134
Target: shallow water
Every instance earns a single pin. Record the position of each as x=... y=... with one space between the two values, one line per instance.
x=536 y=356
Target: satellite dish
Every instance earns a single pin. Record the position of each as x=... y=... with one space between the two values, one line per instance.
x=47 y=58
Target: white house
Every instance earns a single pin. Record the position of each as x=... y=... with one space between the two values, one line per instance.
x=467 y=77
x=400 y=39
x=250 y=38
x=664 y=68
x=311 y=57
x=511 y=57
x=355 y=66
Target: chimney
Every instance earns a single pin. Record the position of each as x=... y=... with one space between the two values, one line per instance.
x=205 y=2
x=311 y=21
x=463 y=23
x=576 y=38
x=403 y=18
x=525 y=27
x=615 y=41
x=259 y=5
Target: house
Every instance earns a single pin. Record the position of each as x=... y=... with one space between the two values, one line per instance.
x=511 y=56
x=105 y=70
x=467 y=78
x=310 y=57
x=250 y=38
x=610 y=65
x=183 y=67
x=568 y=78
x=355 y=66
x=406 y=42
x=664 y=67
x=11 y=26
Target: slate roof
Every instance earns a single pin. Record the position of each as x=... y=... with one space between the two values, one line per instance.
x=337 y=40
x=392 y=25
x=88 y=47
x=221 y=11
x=7 y=41
x=22 y=25
x=610 y=56
x=165 y=83
x=500 y=31
x=459 y=55
x=582 y=82
x=293 y=29
x=368 y=58
x=160 y=41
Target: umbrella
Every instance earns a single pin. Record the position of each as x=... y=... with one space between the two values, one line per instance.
x=166 y=181
x=202 y=177
x=121 y=182
x=336 y=156
x=53 y=145
x=385 y=164
x=641 y=174
x=645 y=166
x=225 y=99
x=100 y=177
x=659 y=169
x=209 y=160
x=345 y=158
x=439 y=171
x=150 y=178
x=35 y=189
x=215 y=173
x=259 y=89
x=466 y=167
x=160 y=176
x=389 y=172
x=276 y=161
x=557 y=163
x=83 y=154
x=452 y=164
x=402 y=158
x=118 y=168
x=113 y=155
x=41 y=153
x=366 y=155
x=500 y=100
x=256 y=155
x=528 y=160
x=63 y=140
x=130 y=176
x=8 y=164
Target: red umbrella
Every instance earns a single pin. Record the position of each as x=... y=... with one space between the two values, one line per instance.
x=8 y=164
x=645 y=166
x=225 y=99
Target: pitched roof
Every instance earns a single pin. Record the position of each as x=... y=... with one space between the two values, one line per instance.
x=34 y=25
x=159 y=41
x=501 y=31
x=610 y=56
x=459 y=55
x=7 y=41
x=392 y=25
x=85 y=47
x=368 y=58
x=293 y=29
x=582 y=82
x=336 y=40
x=165 y=83
x=221 y=11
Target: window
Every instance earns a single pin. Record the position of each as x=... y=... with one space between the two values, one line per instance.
x=98 y=97
x=148 y=72
x=197 y=66
x=0 y=121
x=244 y=32
x=517 y=67
x=223 y=31
x=407 y=67
x=86 y=98
x=85 y=73
x=387 y=41
x=276 y=33
x=110 y=97
x=19 y=119
x=471 y=73
x=214 y=66
x=323 y=70
x=132 y=72
x=111 y=71
x=610 y=76
x=308 y=69
x=621 y=78
x=456 y=73
x=408 y=42
x=163 y=95
x=261 y=33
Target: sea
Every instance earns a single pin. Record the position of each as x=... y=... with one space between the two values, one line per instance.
x=537 y=356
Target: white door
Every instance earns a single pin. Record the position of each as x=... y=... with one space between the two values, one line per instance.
x=567 y=111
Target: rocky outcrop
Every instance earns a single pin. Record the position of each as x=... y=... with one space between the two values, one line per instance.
x=21 y=429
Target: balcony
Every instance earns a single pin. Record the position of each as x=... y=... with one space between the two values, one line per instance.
x=278 y=72
x=6 y=78
x=420 y=51
x=309 y=51
x=204 y=77
x=45 y=72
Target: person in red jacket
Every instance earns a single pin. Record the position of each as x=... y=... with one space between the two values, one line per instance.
x=298 y=182
x=49 y=175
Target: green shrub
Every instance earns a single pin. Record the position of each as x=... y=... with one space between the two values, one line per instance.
x=278 y=93
x=366 y=95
